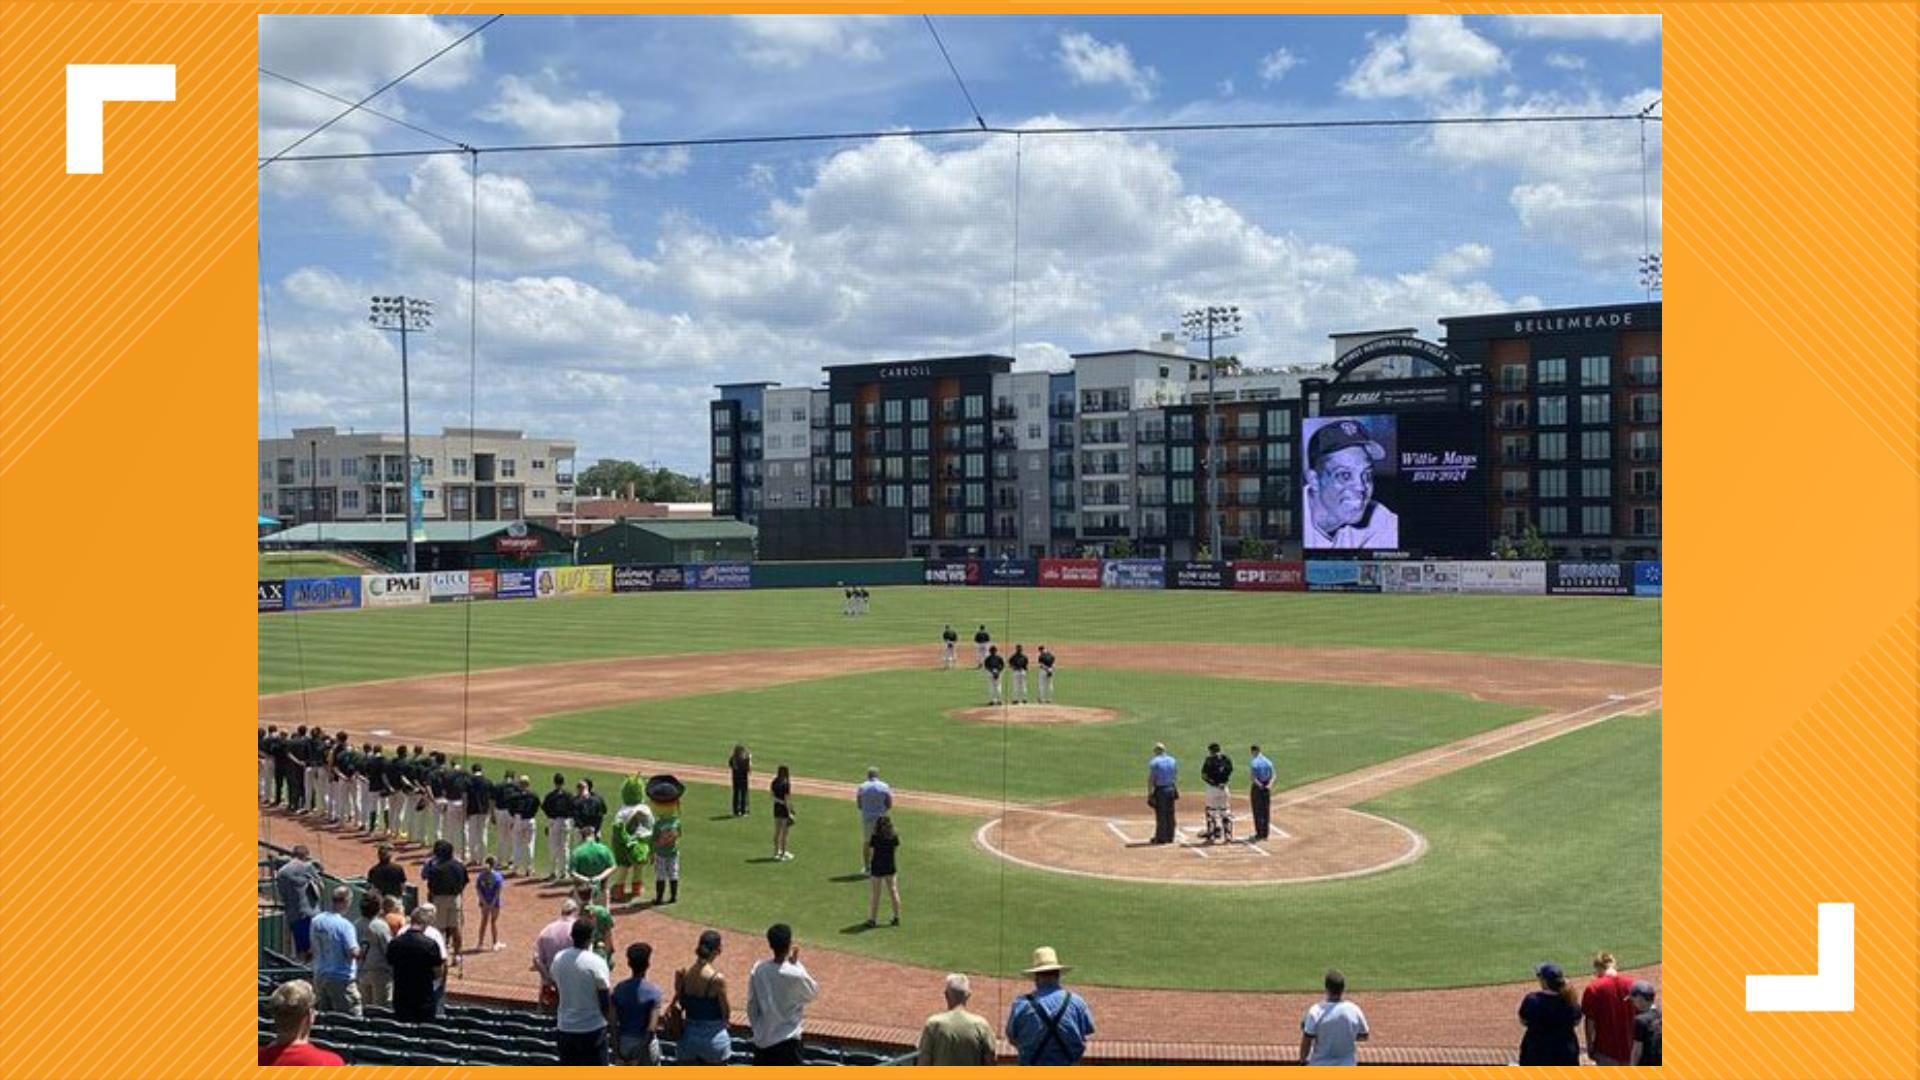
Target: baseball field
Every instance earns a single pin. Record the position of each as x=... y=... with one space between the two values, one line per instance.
x=1466 y=785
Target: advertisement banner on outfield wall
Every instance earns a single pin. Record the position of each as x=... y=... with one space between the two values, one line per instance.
x=515 y=584
x=322 y=593
x=1198 y=575
x=393 y=590
x=582 y=580
x=648 y=578
x=1009 y=572
x=1070 y=573
x=1270 y=576
x=1646 y=579
x=1133 y=574
x=1342 y=575
x=1419 y=577
x=725 y=575
x=958 y=572
x=448 y=587
x=273 y=596
x=1590 y=578
x=1506 y=577
x=481 y=584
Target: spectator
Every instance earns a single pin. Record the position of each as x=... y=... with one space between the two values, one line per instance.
x=489 y=887
x=1608 y=1014
x=586 y=999
x=601 y=917
x=447 y=880
x=417 y=960
x=701 y=993
x=336 y=957
x=1551 y=1016
x=782 y=791
x=297 y=884
x=1646 y=1024
x=956 y=1037
x=739 y=766
x=1331 y=1030
x=389 y=877
x=395 y=918
x=592 y=861
x=292 y=1007
x=553 y=937
x=778 y=991
x=373 y=932
x=636 y=1010
x=882 y=870
x=1049 y=1026
x=875 y=799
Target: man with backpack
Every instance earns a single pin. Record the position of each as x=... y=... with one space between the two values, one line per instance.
x=1049 y=1026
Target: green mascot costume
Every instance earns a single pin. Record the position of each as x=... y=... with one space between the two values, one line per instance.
x=633 y=826
x=664 y=793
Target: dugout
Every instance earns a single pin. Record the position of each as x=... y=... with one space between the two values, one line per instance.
x=445 y=545
x=652 y=540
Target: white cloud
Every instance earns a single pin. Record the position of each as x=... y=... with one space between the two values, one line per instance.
x=1463 y=260
x=1566 y=61
x=665 y=161
x=1275 y=65
x=1089 y=61
x=1434 y=53
x=523 y=105
x=794 y=41
x=1624 y=28
x=353 y=54
x=1224 y=87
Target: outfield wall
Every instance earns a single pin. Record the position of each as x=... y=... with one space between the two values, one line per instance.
x=1505 y=577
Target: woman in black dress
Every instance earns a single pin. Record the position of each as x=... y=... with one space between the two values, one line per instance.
x=741 y=766
x=884 y=871
x=1551 y=1016
x=782 y=813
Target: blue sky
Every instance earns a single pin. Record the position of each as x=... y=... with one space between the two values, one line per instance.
x=617 y=287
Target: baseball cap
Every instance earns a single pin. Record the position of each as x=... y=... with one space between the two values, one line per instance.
x=1340 y=434
x=1642 y=989
x=1550 y=972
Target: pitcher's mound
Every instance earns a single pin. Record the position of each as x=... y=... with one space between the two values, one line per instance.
x=1048 y=715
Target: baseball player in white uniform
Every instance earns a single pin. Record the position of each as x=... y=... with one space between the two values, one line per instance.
x=993 y=665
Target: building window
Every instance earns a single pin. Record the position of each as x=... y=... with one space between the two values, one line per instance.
x=1033 y=432
x=1596 y=408
x=723 y=472
x=306 y=469
x=1513 y=484
x=896 y=495
x=457 y=500
x=1646 y=482
x=896 y=468
x=1596 y=370
x=842 y=413
x=1513 y=520
x=460 y=463
x=1513 y=448
x=976 y=465
x=921 y=495
x=266 y=470
x=1553 y=412
x=976 y=406
x=843 y=442
x=1249 y=491
x=1596 y=445
x=426 y=467
x=1644 y=370
x=426 y=495
x=918 y=440
x=1248 y=426
x=843 y=470
x=1512 y=414
x=1553 y=445
x=893 y=411
x=1181 y=490
x=976 y=524
x=1279 y=422
x=869 y=412
x=1551 y=373
x=1596 y=483
x=1646 y=408
x=1553 y=520
x=1279 y=456
x=1645 y=446
x=1553 y=483
x=506 y=467
x=539 y=464
x=1596 y=520
x=976 y=494
x=922 y=525
x=722 y=420
x=349 y=499
x=893 y=440
x=1180 y=458
x=1646 y=521
x=1513 y=377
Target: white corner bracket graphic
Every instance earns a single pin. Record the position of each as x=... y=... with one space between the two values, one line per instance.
x=1829 y=991
x=89 y=88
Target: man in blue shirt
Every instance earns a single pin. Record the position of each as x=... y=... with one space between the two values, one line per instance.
x=1162 y=775
x=875 y=800
x=1050 y=1025
x=336 y=955
x=1261 y=768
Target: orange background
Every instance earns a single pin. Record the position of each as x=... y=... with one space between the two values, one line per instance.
x=129 y=303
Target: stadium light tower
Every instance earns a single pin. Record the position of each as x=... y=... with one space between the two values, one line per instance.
x=1650 y=273
x=1211 y=324
x=404 y=315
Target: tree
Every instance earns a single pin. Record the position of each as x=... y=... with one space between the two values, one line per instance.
x=1121 y=548
x=1533 y=547
x=610 y=477
x=1254 y=549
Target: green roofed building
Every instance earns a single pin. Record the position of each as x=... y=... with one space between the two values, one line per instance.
x=663 y=540
x=445 y=545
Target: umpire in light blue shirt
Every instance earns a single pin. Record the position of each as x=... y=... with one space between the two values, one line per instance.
x=1261 y=768
x=1163 y=774
x=875 y=800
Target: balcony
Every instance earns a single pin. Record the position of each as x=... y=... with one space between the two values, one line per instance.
x=1063 y=437
x=1510 y=420
x=949 y=411
x=1514 y=494
x=1103 y=530
x=1644 y=416
x=1515 y=457
x=1004 y=471
x=951 y=441
x=749 y=425
x=1004 y=411
x=1151 y=466
x=1513 y=386
x=819 y=420
x=1644 y=453
x=1005 y=532
x=1059 y=473
x=1005 y=441
x=1646 y=491
x=1279 y=464
x=1059 y=502
x=1644 y=378
x=1061 y=410
x=1150 y=435
x=1006 y=501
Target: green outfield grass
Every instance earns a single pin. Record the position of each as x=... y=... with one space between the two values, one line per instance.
x=290 y=564
x=896 y=721
x=1546 y=854
x=352 y=646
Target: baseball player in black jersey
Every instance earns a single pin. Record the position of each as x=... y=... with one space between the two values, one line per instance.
x=455 y=827
x=503 y=817
x=275 y=747
x=525 y=806
x=1018 y=662
x=948 y=640
x=993 y=665
x=313 y=751
x=374 y=766
x=558 y=806
x=437 y=785
x=1216 y=771
x=980 y=640
x=479 y=809
x=589 y=810
x=1046 y=675
x=339 y=759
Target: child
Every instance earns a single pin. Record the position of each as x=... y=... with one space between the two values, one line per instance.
x=490 y=886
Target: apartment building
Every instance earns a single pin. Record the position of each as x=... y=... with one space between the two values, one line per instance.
x=466 y=474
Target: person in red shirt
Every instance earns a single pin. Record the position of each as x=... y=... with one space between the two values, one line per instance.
x=1608 y=1013
x=292 y=1005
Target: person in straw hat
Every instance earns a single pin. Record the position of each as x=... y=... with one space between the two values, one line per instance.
x=1049 y=1026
